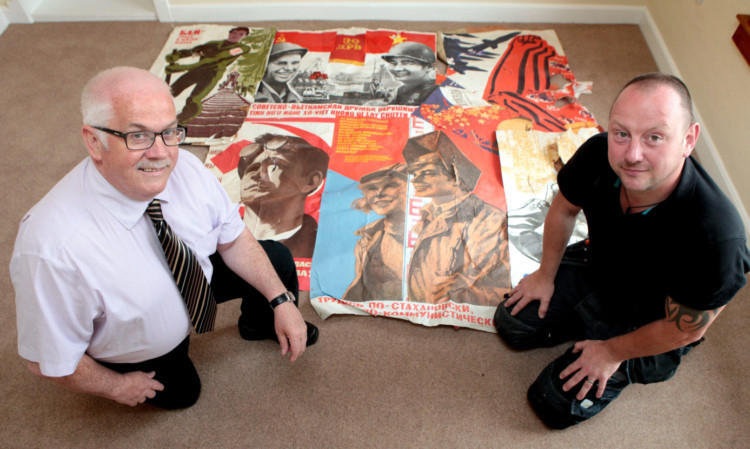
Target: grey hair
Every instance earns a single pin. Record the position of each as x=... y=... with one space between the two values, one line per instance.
x=97 y=108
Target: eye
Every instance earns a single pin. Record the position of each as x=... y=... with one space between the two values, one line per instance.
x=653 y=138
x=139 y=135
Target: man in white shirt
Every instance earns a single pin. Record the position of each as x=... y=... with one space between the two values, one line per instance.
x=98 y=308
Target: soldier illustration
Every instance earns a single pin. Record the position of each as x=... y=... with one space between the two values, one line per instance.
x=215 y=57
x=412 y=64
x=283 y=65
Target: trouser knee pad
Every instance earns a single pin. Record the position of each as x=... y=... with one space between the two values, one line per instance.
x=560 y=409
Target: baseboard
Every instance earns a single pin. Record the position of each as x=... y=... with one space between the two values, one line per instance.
x=4 y=22
x=705 y=149
x=410 y=11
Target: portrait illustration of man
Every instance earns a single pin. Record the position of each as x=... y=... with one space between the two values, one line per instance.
x=461 y=253
x=413 y=65
x=277 y=174
x=379 y=253
x=283 y=65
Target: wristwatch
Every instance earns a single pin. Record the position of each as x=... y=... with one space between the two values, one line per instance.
x=282 y=298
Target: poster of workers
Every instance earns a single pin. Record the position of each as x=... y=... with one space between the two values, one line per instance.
x=400 y=192
x=350 y=66
x=213 y=72
x=523 y=71
x=277 y=168
x=420 y=232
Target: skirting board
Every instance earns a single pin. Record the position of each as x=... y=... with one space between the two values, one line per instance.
x=432 y=11
x=3 y=23
x=411 y=11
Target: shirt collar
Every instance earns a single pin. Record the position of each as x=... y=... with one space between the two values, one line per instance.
x=683 y=188
x=124 y=209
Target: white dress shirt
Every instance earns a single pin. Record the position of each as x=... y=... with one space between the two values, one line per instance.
x=90 y=275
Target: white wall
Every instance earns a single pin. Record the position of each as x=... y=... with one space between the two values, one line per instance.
x=698 y=37
x=689 y=38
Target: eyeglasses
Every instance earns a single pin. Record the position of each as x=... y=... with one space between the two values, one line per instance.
x=143 y=140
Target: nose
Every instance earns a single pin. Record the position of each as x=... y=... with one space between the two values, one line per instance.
x=634 y=152
x=158 y=149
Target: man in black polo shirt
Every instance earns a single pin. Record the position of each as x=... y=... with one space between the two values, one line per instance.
x=667 y=251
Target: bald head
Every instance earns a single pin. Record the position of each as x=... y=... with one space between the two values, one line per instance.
x=118 y=83
x=651 y=81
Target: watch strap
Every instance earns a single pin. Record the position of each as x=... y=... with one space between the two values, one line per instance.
x=287 y=296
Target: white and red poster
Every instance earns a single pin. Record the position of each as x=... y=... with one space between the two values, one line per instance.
x=401 y=192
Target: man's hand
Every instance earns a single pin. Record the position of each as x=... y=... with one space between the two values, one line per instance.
x=92 y=378
x=534 y=287
x=291 y=330
x=594 y=366
x=135 y=387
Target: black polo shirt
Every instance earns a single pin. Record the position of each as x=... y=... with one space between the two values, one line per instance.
x=691 y=246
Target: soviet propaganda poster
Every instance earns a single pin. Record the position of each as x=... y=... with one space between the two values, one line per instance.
x=400 y=192
x=213 y=72
x=424 y=237
x=350 y=66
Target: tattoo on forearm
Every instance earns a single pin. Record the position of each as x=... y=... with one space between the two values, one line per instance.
x=686 y=318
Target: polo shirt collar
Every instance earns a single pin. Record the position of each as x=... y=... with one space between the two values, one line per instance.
x=124 y=209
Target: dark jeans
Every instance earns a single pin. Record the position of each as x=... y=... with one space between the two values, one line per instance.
x=175 y=370
x=576 y=313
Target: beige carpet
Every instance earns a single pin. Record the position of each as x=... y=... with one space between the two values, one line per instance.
x=369 y=382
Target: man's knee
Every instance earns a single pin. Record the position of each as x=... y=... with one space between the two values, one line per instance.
x=517 y=334
x=560 y=409
x=182 y=388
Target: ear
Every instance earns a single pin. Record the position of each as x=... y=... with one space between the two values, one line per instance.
x=94 y=145
x=312 y=181
x=691 y=138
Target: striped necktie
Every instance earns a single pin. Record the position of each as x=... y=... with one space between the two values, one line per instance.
x=187 y=272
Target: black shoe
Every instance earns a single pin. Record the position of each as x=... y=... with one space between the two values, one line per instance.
x=249 y=333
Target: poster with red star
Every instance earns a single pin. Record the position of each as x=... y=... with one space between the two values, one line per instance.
x=351 y=66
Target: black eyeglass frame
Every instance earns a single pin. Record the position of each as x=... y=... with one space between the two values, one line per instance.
x=124 y=136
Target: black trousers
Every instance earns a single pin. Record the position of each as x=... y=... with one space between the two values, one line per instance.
x=575 y=313
x=175 y=370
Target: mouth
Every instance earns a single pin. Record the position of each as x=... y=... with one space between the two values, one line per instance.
x=154 y=168
x=257 y=187
x=633 y=171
